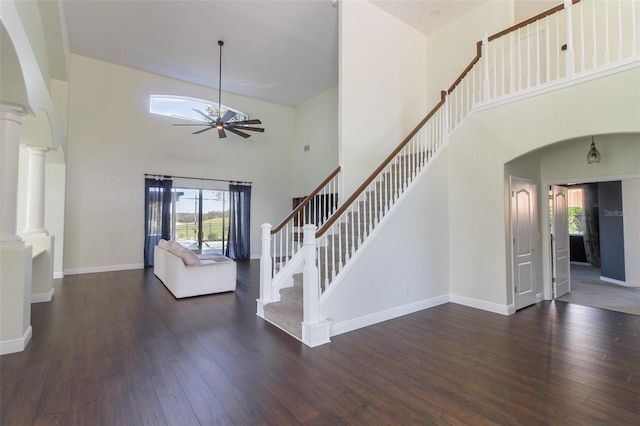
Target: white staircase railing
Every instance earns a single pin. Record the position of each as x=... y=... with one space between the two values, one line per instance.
x=576 y=40
x=280 y=245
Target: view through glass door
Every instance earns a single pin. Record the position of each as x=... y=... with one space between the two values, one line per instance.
x=201 y=219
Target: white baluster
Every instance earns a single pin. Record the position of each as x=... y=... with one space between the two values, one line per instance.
x=634 y=36
x=547 y=52
x=595 y=38
x=606 y=32
x=619 y=30
x=266 y=295
x=310 y=284
x=570 y=55
x=582 y=49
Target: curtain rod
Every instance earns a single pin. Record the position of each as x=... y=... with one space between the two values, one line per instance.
x=156 y=175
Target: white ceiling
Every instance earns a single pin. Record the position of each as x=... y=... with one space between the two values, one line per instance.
x=281 y=51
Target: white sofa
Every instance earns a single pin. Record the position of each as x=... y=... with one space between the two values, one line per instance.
x=186 y=275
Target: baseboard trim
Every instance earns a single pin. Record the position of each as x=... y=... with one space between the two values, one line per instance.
x=367 y=320
x=613 y=281
x=16 y=345
x=43 y=297
x=110 y=268
x=482 y=305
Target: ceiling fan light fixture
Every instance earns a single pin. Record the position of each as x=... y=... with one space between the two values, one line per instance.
x=222 y=123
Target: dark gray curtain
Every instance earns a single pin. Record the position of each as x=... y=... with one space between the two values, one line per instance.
x=591 y=224
x=239 y=222
x=157 y=215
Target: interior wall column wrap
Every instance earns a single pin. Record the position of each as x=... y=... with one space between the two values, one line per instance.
x=35 y=191
x=10 y=123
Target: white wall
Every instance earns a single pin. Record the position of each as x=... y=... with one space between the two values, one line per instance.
x=631 y=224
x=451 y=48
x=316 y=125
x=491 y=138
x=382 y=87
x=407 y=261
x=114 y=140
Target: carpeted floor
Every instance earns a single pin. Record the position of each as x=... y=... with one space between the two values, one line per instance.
x=587 y=289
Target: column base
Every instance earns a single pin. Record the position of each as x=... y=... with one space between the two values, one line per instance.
x=15 y=297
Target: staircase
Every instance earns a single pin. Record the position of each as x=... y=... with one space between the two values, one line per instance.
x=297 y=280
x=287 y=313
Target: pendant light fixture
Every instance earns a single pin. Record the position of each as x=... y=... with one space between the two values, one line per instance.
x=593 y=156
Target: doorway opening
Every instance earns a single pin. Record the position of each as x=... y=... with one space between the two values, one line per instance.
x=597 y=266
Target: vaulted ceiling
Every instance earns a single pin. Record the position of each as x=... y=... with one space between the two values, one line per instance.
x=281 y=51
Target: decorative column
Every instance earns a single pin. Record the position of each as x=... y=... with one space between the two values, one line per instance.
x=35 y=191
x=10 y=122
x=15 y=256
x=266 y=293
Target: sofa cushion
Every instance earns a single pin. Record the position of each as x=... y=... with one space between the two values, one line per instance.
x=163 y=244
x=175 y=248
x=189 y=257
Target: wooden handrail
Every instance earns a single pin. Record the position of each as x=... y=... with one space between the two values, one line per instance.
x=502 y=33
x=468 y=68
x=531 y=20
x=443 y=94
x=377 y=171
x=306 y=201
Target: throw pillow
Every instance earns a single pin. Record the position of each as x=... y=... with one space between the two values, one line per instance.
x=188 y=257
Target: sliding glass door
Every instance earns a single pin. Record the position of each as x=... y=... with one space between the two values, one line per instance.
x=202 y=219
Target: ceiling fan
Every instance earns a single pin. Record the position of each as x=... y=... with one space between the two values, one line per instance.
x=222 y=123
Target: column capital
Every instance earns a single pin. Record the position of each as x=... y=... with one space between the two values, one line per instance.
x=37 y=150
x=12 y=112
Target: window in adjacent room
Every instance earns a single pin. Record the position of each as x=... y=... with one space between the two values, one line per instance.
x=576 y=207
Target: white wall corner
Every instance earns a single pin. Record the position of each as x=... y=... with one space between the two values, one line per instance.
x=16 y=345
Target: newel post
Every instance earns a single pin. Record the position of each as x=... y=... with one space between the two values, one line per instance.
x=310 y=284
x=315 y=331
x=568 y=6
x=485 y=61
x=447 y=117
x=265 y=269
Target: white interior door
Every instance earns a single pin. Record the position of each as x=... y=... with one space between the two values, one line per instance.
x=560 y=242
x=524 y=236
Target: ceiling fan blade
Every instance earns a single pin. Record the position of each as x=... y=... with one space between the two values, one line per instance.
x=203 y=130
x=221 y=133
x=253 y=121
x=228 y=116
x=253 y=129
x=208 y=117
x=191 y=124
x=238 y=132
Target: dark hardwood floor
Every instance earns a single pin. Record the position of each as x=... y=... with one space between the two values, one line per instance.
x=118 y=349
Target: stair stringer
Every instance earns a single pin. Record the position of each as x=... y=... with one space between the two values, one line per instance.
x=432 y=174
x=284 y=277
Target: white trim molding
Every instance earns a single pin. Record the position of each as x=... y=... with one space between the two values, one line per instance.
x=16 y=345
x=482 y=304
x=43 y=297
x=370 y=319
x=109 y=268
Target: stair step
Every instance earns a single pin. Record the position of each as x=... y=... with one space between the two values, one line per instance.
x=292 y=296
x=297 y=279
x=285 y=316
